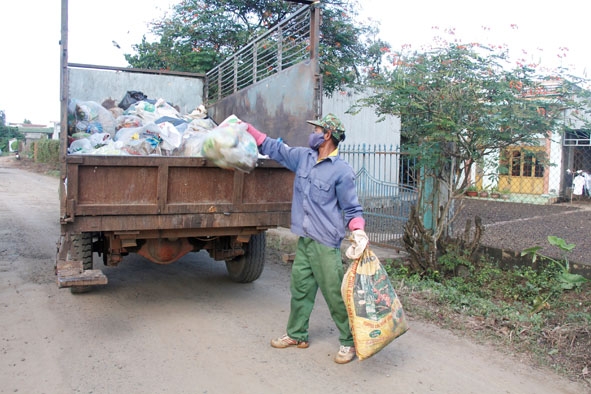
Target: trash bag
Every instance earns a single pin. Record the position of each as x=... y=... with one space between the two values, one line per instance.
x=112 y=148
x=192 y=144
x=125 y=121
x=144 y=110
x=143 y=147
x=80 y=147
x=171 y=138
x=201 y=125
x=375 y=312
x=135 y=133
x=131 y=97
x=99 y=139
x=230 y=146
x=91 y=117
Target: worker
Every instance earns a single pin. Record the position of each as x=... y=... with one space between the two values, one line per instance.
x=324 y=203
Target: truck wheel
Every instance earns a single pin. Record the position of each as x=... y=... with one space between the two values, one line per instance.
x=249 y=267
x=82 y=250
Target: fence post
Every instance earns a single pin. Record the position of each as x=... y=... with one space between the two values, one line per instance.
x=426 y=203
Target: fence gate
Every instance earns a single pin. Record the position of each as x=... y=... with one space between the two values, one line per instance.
x=386 y=190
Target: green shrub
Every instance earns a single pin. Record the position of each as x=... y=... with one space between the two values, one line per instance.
x=47 y=151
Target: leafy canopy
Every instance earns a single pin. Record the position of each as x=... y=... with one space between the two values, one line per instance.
x=199 y=34
x=460 y=103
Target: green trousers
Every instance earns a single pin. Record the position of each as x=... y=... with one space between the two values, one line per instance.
x=317 y=266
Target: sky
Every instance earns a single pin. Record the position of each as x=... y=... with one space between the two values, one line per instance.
x=550 y=33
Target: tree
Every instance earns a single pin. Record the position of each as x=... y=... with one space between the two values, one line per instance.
x=199 y=34
x=6 y=134
x=460 y=105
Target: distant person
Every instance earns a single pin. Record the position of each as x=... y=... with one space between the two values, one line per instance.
x=587 y=189
x=578 y=183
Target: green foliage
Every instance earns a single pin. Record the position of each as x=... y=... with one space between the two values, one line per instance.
x=489 y=290
x=47 y=151
x=6 y=134
x=566 y=280
x=455 y=261
x=527 y=287
x=495 y=305
x=523 y=308
x=199 y=34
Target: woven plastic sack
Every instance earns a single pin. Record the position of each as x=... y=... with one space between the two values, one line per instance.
x=375 y=312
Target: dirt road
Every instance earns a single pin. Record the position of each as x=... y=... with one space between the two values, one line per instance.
x=186 y=328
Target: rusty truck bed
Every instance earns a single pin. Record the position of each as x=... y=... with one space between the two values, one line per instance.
x=137 y=193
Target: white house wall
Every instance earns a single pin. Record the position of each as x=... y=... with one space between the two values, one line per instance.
x=362 y=128
x=365 y=134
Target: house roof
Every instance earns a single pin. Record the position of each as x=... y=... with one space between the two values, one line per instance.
x=39 y=130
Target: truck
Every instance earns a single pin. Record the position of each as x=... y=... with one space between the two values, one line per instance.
x=164 y=207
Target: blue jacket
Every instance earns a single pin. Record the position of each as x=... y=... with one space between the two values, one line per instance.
x=322 y=192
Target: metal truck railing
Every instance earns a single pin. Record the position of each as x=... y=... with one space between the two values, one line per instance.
x=281 y=47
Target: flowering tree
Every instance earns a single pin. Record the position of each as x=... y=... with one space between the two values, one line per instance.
x=458 y=105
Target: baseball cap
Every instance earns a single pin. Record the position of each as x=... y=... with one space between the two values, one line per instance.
x=332 y=123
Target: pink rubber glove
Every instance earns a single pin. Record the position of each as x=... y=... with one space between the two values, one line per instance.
x=258 y=136
x=357 y=223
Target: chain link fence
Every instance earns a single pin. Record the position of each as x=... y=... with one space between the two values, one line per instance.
x=555 y=171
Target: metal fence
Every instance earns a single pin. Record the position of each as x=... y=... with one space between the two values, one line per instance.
x=557 y=171
x=385 y=180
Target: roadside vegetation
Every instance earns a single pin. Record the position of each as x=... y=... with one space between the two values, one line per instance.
x=540 y=313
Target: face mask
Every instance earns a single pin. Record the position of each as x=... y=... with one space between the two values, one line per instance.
x=315 y=140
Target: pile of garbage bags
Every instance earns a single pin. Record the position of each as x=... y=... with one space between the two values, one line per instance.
x=139 y=126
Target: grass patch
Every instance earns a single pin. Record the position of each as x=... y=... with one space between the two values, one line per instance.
x=525 y=310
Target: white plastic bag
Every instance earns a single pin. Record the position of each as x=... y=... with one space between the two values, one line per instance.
x=93 y=117
x=81 y=146
x=113 y=148
x=230 y=146
x=192 y=144
x=99 y=139
x=171 y=138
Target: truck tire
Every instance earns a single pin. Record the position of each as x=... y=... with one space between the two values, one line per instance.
x=249 y=267
x=82 y=250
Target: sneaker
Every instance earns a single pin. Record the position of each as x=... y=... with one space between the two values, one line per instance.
x=286 y=341
x=345 y=354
